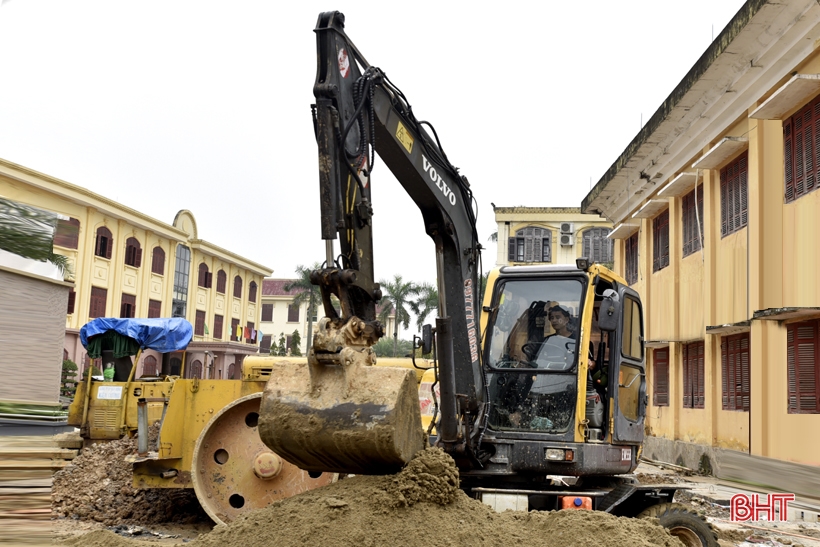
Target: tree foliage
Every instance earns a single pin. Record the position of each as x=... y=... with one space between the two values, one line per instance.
x=397 y=295
x=296 y=344
x=306 y=293
x=425 y=303
x=29 y=232
x=68 y=380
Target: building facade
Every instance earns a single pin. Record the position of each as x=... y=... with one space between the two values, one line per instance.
x=127 y=264
x=556 y=235
x=718 y=228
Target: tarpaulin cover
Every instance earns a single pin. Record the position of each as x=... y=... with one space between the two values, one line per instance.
x=162 y=335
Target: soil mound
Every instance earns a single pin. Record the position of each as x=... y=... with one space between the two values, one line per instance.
x=419 y=507
x=97 y=486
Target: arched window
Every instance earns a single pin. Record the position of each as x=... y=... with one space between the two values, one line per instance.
x=205 y=277
x=221 y=281
x=158 y=262
x=149 y=366
x=252 y=292
x=133 y=252
x=176 y=366
x=597 y=246
x=196 y=369
x=237 y=287
x=68 y=233
x=105 y=242
x=231 y=371
x=531 y=244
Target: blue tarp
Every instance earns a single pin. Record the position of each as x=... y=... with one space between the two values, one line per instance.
x=163 y=335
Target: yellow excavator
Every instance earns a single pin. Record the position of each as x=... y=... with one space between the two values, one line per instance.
x=541 y=387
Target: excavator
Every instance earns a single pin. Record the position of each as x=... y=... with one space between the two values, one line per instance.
x=517 y=407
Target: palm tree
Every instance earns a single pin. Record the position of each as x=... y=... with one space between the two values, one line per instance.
x=29 y=232
x=426 y=302
x=397 y=294
x=306 y=292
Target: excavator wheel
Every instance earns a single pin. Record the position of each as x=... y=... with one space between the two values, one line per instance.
x=690 y=528
x=234 y=472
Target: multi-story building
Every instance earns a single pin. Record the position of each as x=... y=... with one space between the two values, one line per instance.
x=718 y=228
x=556 y=235
x=127 y=264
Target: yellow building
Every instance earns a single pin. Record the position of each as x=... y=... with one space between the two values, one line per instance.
x=718 y=228
x=556 y=235
x=127 y=264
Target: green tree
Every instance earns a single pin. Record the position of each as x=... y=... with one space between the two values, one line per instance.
x=295 y=344
x=29 y=232
x=397 y=295
x=306 y=292
x=68 y=381
x=426 y=301
x=385 y=348
x=94 y=372
x=281 y=347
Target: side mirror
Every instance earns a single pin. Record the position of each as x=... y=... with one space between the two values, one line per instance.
x=610 y=311
x=426 y=339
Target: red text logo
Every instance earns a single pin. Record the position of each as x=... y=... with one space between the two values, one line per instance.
x=753 y=507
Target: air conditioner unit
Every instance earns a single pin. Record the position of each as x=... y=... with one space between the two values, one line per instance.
x=567 y=228
x=567 y=240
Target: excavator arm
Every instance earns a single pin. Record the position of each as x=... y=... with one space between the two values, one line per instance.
x=360 y=113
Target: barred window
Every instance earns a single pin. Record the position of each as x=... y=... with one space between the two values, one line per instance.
x=530 y=244
x=734 y=201
x=692 y=221
x=801 y=151
x=631 y=255
x=660 y=232
x=597 y=246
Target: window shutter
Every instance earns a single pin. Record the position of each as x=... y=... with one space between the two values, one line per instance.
x=138 y=259
x=700 y=371
x=661 y=380
x=806 y=365
x=217 y=327
x=586 y=250
x=511 y=250
x=724 y=374
x=72 y=296
x=788 y=151
x=546 y=246
x=742 y=361
x=109 y=247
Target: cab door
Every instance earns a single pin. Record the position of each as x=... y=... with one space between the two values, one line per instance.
x=627 y=379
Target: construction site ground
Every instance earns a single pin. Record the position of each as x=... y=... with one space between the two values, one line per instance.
x=93 y=503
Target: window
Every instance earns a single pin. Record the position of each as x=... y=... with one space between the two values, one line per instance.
x=231 y=371
x=199 y=323
x=597 y=246
x=692 y=221
x=264 y=346
x=734 y=371
x=293 y=313
x=128 y=306
x=693 y=382
x=98 y=301
x=158 y=261
x=250 y=336
x=149 y=366
x=237 y=287
x=205 y=278
x=105 y=242
x=531 y=245
x=67 y=233
x=631 y=248
x=154 y=308
x=217 y=327
x=234 y=327
x=196 y=369
x=802 y=367
x=221 y=281
x=733 y=196
x=267 y=312
x=632 y=329
x=801 y=151
x=252 y=292
x=133 y=252
x=181 y=275
x=660 y=231
x=72 y=297
x=660 y=384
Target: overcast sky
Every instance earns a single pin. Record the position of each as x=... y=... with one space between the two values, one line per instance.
x=169 y=105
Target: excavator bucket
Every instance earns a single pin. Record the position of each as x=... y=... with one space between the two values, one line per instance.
x=337 y=413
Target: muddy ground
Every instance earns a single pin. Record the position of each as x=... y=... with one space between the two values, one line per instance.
x=95 y=505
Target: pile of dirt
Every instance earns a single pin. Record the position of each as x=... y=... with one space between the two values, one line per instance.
x=418 y=507
x=97 y=486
